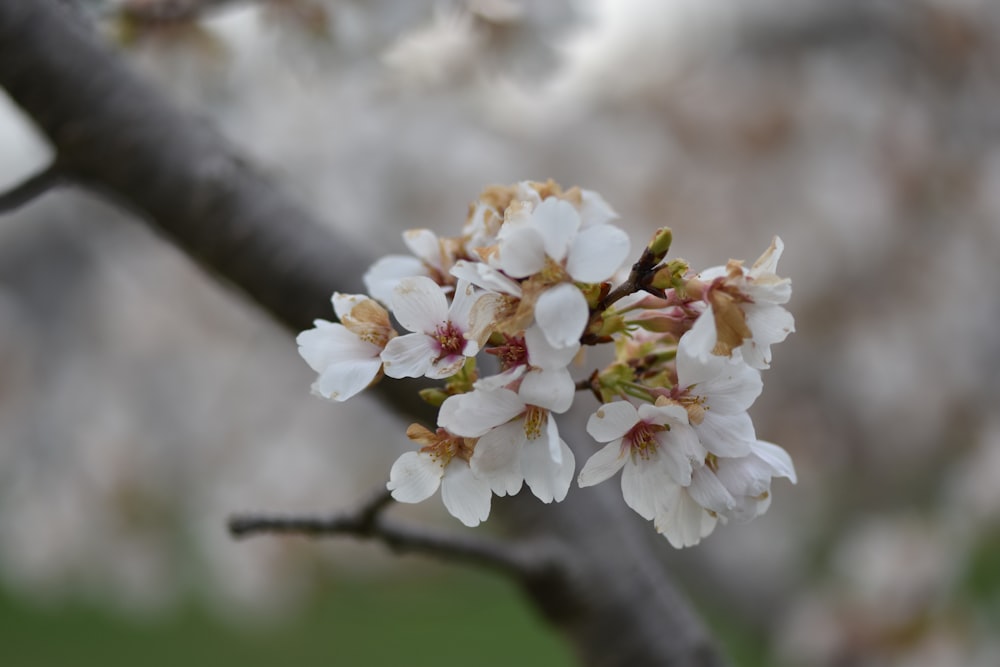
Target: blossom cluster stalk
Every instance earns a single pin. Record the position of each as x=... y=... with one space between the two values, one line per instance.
x=503 y=312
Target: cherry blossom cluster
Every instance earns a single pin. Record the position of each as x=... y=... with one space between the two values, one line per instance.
x=502 y=314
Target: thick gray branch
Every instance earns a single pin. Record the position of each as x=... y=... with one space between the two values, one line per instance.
x=115 y=134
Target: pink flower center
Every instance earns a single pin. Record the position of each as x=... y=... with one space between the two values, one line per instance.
x=450 y=340
x=443 y=447
x=642 y=438
x=511 y=354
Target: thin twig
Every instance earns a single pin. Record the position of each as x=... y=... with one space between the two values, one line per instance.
x=34 y=186
x=638 y=279
x=593 y=385
x=520 y=560
x=360 y=522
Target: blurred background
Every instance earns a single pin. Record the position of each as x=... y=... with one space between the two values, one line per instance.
x=141 y=403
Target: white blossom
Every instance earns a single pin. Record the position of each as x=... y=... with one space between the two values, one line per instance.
x=382 y=277
x=682 y=520
x=539 y=370
x=442 y=336
x=432 y=257
x=717 y=392
x=655 y=448
x=518 y=442
x=549 y=243
x=519 y=283
x=748 y=479
x=441 y=462
x=347 y=355
x=744 y=310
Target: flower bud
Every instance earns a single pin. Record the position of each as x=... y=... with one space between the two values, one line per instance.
x=670 y=275
x=660 y=245
x=611 y=324
x=433 y=396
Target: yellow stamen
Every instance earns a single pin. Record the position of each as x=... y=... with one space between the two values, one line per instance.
x=535 y=420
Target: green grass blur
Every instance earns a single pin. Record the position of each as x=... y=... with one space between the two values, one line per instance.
x=460 y=619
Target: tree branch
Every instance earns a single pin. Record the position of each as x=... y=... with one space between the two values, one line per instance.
x=520 y=560
x=119 y=136
x=114 y=133
x=361 y=522
x=31 y=188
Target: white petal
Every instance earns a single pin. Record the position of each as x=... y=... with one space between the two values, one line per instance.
x=769 y=325
x=744 y=476
x=497 y=458
x=728 y=384
x=726 y=435
x=521 y=252
x=482 y=317
x=552 y=439
x=557 y=222
x=345 y=363
x=710 y=274
x=476 y=225
x=484 y=276
x=709 y=492
x=445 y=367
x=424 y=244
x=603 y=464
x=544 y=355
x=612 y=421
x=328 y=343
x=419 y=304
x=701 y=337
x=594 y=210
x=777 y=458
x=552 y=390
x=465 y=496
x=383 y=276
x=663 y=414
x=755 y=354
x=769 y=291
x=494 y=382
x=733 y=390
x=344 y=379
x=548 y=480
x=562 y=313
x=680 y=450
x=473 y=414
x=768 y=262
x=680 y=519
x=414 y=477
x=596 y=253
x=343 y=304
x=641 y=484
x=748 y=508
x=464 y=299
x=516 y=216
x=409 y=356
x=693 y=364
